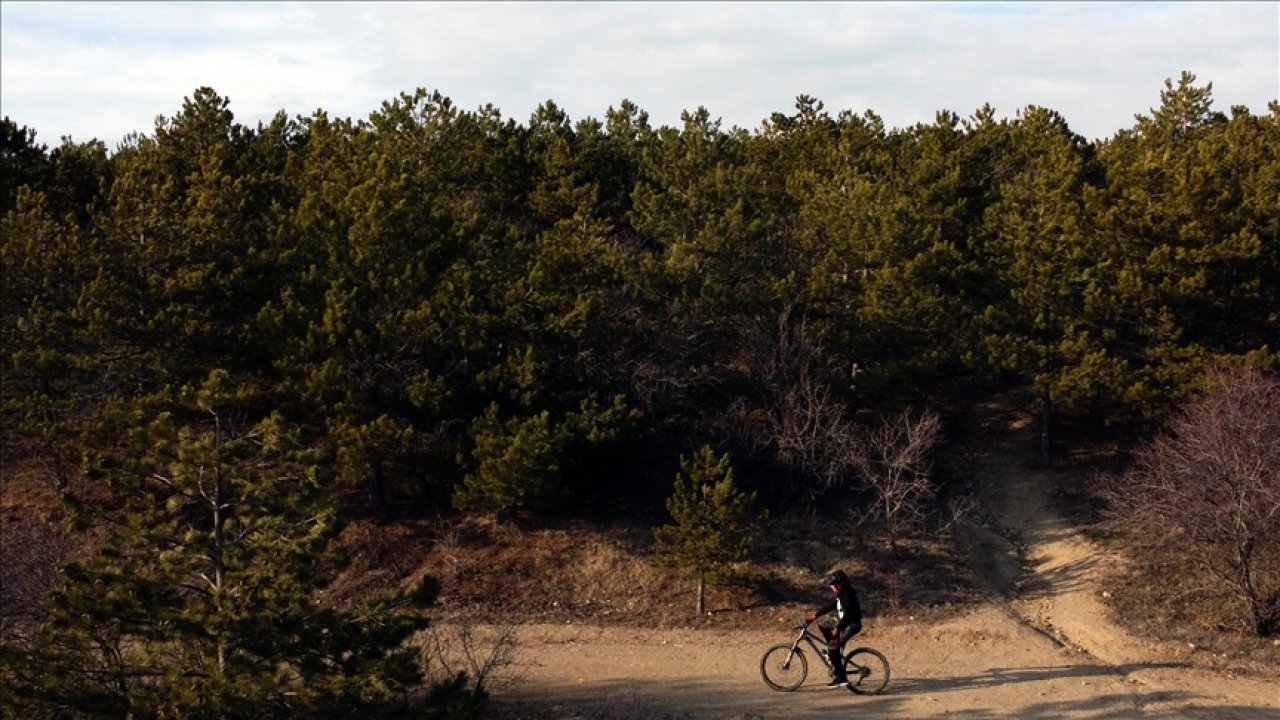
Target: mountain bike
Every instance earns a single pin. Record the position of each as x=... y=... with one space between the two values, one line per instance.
x=784 y=667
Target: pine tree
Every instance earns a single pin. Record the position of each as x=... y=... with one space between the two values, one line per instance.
x=713 y=527
x=200 y=603
x=23 y=162
x=52 y=326
x=518 y=462
x=1190 y=219
x=193 y=217
x=1051 y=265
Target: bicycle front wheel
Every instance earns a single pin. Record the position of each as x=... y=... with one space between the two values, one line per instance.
x=783 y=668
x=868 y=671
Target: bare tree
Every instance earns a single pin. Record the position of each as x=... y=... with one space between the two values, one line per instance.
x=894 y=462
x=1211 y=483
x=812 y=432
x=31 y=551
x=806 y=420
x=489 y=656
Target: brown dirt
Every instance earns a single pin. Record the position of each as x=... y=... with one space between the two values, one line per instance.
x=1041 y=644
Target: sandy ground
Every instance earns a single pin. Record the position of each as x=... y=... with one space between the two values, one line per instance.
x=1042 y=647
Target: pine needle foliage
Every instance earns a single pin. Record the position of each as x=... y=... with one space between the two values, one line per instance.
x=714 y=527
x=201 y=602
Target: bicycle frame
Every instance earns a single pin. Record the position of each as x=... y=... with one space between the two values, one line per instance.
x=813 y=640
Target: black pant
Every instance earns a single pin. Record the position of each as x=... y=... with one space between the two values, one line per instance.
x=835 y=648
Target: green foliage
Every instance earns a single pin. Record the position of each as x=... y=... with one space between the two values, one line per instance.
x=713 y=524
x=392 y=278
x=193 y=213
x=1191 y=230
x=200 y=602
x=1056 y=270
x=519 y=461
x=23 y=162
x=52 y=365
x=389 y=280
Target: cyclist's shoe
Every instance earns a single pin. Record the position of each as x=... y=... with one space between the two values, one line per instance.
x=838 y=682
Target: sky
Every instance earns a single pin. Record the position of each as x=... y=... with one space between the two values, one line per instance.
x=103 y=70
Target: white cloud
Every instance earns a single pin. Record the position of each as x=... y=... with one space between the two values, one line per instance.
x=106 y=69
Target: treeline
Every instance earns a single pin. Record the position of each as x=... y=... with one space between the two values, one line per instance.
x=217 y=338
x=456 y=307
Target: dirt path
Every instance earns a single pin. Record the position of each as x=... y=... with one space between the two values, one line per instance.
x=1043 y=647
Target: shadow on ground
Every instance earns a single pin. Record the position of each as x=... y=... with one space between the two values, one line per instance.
x=904 y=698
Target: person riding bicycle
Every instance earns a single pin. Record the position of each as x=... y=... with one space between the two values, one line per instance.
x=848 y=622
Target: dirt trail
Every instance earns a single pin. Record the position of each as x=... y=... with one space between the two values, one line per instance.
x=1060 y=593
x=1043 y=647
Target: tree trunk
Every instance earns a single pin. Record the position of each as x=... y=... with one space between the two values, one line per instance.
x=890 y=528
x=376 y=492
x=702 y=593
x=219 y=537
x=1046 y=416
x=1249 y=590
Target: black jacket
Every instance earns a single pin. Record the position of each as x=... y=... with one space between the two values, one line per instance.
x=848 y=611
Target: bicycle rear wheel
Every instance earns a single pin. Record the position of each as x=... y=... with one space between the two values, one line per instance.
x=782 y=668
x=868 y=671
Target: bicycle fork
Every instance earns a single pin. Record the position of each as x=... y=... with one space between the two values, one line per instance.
x=786 y=664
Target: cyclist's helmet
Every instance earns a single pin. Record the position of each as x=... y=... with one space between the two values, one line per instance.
x=837 y=578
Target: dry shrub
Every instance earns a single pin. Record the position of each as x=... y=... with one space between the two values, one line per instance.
x=32 y=552
x=33 y=546
x=488 y=655
x=1204 y=499
x=895 y=461
x=1160 y=595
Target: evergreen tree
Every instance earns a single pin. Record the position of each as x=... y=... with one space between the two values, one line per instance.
x=23 y=162
x=56 y=375
x=1190 y=220
x=200 y=602
x=193 y=216
x=713 y=526
x=519 y=462
x=80 y=178
x=364 y=333
x=1051 y=264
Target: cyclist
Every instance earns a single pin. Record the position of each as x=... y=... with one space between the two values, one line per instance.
x=848 y=622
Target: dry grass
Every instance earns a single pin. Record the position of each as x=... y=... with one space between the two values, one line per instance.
x=32 y=547
x=1160 y=596
x=502 y=572
x=511 y=572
